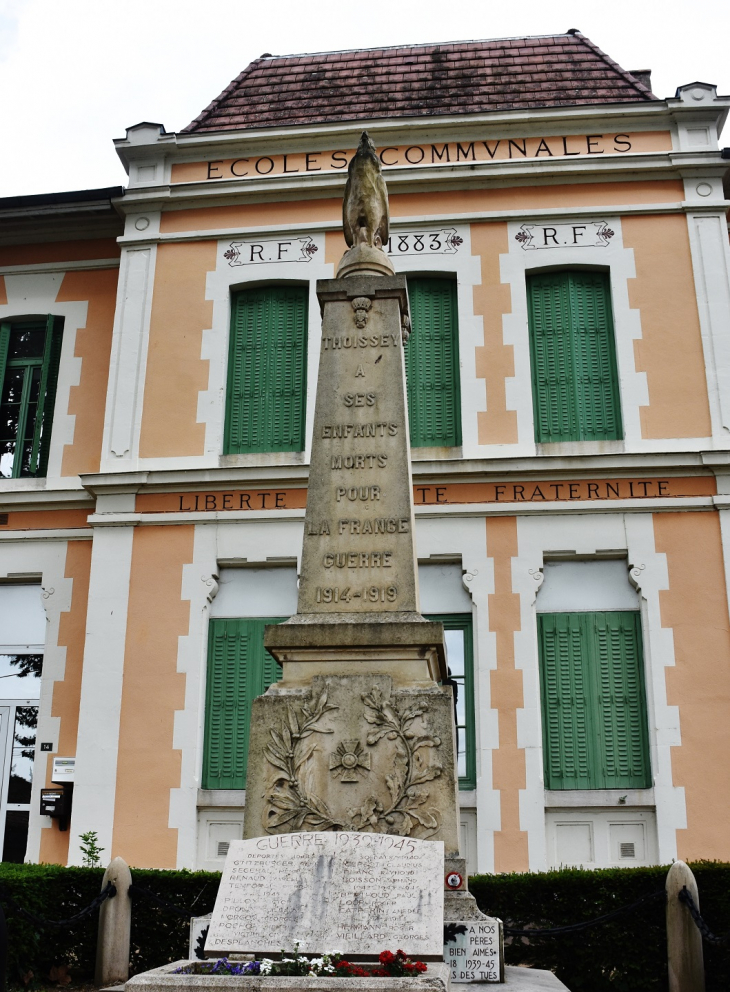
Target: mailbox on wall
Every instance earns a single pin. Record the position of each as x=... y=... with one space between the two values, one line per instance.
x=56 y=803
x=63 y=770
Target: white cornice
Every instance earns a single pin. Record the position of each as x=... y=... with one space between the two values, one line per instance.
x=644 y=116
x=436 y=177
x=670 y=464
x=436 y=220
x=428 y=472
x=431 y=510
x=66 y=534
x=93 y=263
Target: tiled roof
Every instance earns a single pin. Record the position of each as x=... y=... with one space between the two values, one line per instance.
x=421 y=80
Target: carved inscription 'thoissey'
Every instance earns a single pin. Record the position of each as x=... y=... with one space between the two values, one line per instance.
x=358 y=554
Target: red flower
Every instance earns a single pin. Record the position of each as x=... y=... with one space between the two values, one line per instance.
x=387 y=957
x=421 y=966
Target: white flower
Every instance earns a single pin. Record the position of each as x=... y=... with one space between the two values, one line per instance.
x=265 y=964
x=316 y=964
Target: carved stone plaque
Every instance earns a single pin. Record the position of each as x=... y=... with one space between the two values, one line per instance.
x=358 y=552
x=354 y=753
x=472 y=950
x=339 y=891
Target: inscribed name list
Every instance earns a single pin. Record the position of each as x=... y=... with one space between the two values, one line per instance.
x=358 y=551
x=358 y=893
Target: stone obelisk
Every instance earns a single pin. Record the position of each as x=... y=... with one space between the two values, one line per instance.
x=358 y=734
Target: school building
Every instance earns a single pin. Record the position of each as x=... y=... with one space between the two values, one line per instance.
x=564 y=235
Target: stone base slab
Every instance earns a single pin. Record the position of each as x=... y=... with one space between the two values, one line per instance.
x=163 y=979
x=436 y=979
x=532 y=980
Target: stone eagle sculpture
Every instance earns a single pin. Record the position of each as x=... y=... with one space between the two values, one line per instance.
x=365 y=217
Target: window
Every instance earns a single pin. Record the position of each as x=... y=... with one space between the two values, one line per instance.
x=30 y=352
x=593 y=700
x=460 y=653
x=574 y=375
x=432 y=363
x=239 y=670
x=266 y=398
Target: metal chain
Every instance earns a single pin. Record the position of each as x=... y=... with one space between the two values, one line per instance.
x=707 y=934
x=108 y=892
x=139 y=890
x=576 y=927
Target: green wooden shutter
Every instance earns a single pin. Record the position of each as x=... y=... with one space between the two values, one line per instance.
x=620 y=701
x=239 y=670
x=432 y=364
x=47 y=396
x=574 y=373
x=564 y=701
x=595 y=732
x=266 y=397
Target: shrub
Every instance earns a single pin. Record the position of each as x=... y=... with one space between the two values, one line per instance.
x=624 y=955
x=54 y=892
x=628 y=954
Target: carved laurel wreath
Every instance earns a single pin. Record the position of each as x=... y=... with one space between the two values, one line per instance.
x=293 y=806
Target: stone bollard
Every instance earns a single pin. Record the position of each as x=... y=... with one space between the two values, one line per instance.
x=115 y=922
x=684 y=940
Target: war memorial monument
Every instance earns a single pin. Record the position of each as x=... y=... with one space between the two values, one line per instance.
x=351 y=836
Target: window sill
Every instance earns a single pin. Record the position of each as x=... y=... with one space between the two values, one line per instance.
x=436 y=453
x=581 y=447
x=229 y=798
x=563 y=799
x=256 y=459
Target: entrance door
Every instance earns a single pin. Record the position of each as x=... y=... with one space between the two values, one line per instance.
x=22 y=634
x=6 y=754
x=17 y=748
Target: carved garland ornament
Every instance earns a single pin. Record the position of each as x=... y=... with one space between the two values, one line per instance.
x=294 y=806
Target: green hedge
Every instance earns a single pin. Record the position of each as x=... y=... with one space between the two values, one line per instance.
x=54 y=893
x=628 y=954
x=625 y=955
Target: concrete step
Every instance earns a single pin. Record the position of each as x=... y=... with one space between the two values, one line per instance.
x=532 y=980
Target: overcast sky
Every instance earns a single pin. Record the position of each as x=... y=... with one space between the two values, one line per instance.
x=75 y=73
